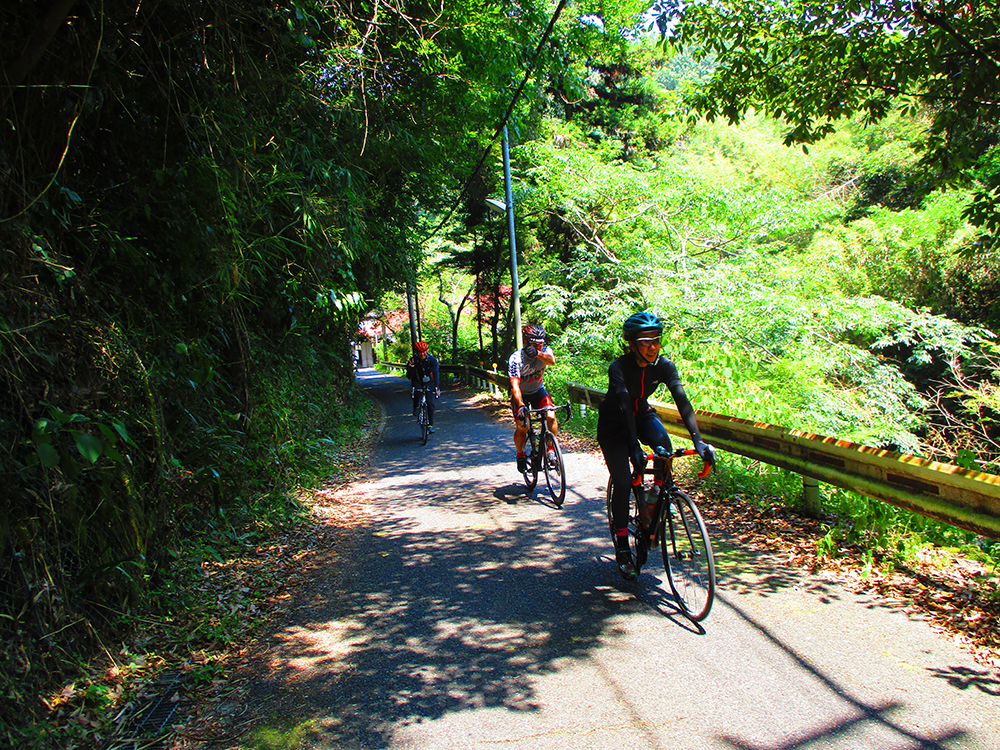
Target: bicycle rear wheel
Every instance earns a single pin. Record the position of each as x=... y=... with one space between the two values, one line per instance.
x=555 y=472
x=635 y=538
x=531 y=473
x=687 y=556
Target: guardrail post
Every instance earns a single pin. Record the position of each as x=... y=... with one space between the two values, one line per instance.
x=812 y=503
x=583 y=411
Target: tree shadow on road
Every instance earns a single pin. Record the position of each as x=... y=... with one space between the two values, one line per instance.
x=863 y=717
x=432 y=621
x=964 y=678
x=443 y=612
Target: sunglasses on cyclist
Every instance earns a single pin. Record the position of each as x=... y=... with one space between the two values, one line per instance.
x=537 y=343
x=655 y=341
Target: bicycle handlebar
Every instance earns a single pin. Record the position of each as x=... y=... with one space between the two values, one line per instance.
x=660 y=453
x=567 y=406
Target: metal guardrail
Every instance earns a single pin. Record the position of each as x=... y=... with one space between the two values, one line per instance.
x=961 y=497
x=472 y=375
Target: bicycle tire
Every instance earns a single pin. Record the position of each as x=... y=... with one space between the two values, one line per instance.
x=687 y=556
x=555 y=475
x=531 y=473
x=635 y=538
x=424 y=423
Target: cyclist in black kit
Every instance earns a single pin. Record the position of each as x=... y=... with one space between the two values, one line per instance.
x=625 y=418
x=423 y=372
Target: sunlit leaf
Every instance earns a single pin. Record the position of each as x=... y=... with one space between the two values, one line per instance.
x=89 y=446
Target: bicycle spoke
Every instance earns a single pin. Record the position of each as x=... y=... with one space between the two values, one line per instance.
x=637 y=539
x=531 y=475
x=555 y=471
x=423 y=421
x=688 y=557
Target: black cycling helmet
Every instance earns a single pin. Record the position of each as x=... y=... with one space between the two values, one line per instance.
x=639 y=322
x=533 y=331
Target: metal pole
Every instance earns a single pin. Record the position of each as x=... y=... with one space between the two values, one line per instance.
x=413 y=321
x=515 y=300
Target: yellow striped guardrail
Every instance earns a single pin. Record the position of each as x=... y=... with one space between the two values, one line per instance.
x=961 y=497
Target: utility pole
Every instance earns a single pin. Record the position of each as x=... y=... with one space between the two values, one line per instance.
x=413 y=317
x=515 y=295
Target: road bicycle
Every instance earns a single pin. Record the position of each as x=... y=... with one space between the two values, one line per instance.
x=544 y=452
x=660 y=510
x=422 y=418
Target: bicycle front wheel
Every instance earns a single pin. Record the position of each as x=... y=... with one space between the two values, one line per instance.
x=424 y=424
x=687 y=556
x=531 y=473
x=555 y=472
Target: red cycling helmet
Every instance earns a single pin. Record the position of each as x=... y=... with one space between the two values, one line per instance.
x=421 y=346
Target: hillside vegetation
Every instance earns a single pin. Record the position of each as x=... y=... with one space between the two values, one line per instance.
x=199 y=203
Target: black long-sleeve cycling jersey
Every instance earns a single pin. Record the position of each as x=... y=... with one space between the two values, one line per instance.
x=424 y=372
x=629 y=388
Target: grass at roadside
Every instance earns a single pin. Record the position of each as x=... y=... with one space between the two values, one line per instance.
x=226 y=579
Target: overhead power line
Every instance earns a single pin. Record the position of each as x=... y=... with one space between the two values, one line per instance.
x=513 y=102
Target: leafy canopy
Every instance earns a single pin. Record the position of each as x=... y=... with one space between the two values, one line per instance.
x=814 y=63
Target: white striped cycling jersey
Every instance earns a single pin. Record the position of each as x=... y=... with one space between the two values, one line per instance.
x=529 y=369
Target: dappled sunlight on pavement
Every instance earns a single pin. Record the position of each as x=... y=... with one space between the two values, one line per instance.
x=471 y=613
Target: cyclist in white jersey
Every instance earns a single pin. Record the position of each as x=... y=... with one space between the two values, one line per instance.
x=526 y=369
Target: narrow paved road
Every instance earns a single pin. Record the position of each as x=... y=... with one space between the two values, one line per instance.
x=472 y=614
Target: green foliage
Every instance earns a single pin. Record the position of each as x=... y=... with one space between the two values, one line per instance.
x=198 y=200
x=309 y=410
x=195 y=198
x=815 y=64
x=892 y=536
x=729 y=241
x=904 y=256
x=760 y=484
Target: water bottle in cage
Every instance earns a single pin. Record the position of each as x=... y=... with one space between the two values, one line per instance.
x=647 y=502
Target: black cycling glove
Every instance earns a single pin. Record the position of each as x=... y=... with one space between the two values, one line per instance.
x=531 y=352
x=707 y=453
x=638 y=459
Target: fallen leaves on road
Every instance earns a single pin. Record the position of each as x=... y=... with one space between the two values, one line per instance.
x=956 y=595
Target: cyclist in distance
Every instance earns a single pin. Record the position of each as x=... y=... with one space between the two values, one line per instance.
x=526 y=369
x=625 y=418
x=423 y=372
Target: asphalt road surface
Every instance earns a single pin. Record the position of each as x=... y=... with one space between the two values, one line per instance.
x=468 y=613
